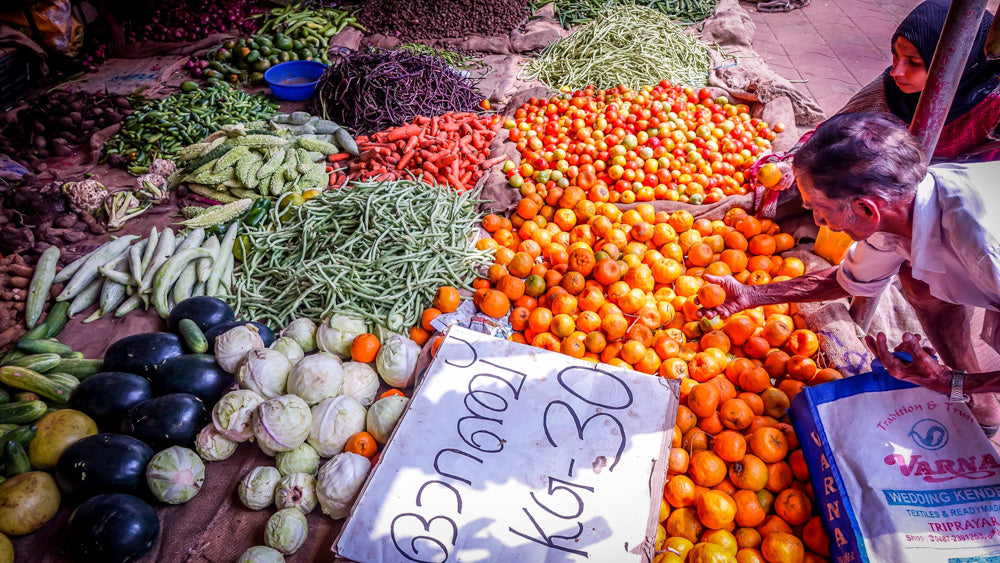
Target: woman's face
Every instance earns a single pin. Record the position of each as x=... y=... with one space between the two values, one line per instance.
x=908 y=67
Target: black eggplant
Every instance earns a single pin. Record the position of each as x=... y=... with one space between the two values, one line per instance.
x=106 y=396
x=197 y=374
x=170 y=420
x=142 y=354
x=113 y=528
x=103 y=463
x=205 y=311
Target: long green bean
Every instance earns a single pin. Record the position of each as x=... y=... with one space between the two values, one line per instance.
x=361 y=249
x=631 y=45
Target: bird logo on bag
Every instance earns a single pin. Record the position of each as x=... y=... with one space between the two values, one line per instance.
x=929 y=434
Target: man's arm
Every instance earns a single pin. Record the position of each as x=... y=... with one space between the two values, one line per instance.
x=818 y=286
x=925 y=370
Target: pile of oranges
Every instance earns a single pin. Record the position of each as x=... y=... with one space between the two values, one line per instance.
x=624 y=288
x=657 y=143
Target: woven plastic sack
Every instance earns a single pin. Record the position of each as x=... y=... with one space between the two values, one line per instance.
x=900 y=473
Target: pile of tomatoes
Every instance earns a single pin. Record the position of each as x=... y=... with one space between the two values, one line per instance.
x=657 y=143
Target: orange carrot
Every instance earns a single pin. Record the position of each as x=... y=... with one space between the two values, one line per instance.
x=405 y=160
x=337 y=157
x=400 y=133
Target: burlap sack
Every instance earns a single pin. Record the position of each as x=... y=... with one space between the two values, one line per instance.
x=125 y=76
x=744 y=73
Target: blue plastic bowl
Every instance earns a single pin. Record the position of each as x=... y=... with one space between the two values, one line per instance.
x=295 y=80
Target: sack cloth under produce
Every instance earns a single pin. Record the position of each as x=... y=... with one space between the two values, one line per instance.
x=742 y=71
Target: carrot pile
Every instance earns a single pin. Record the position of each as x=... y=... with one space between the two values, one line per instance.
x=452 y=149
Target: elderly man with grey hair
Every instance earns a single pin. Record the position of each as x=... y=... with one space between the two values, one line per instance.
x=935 y=227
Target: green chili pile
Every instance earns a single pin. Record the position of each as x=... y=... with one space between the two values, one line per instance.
x=375 y=250
x=160 y=128
x=631 y=45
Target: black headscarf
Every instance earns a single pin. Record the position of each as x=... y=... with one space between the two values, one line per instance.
x=922 y=27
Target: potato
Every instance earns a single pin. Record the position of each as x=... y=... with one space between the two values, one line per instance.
x=6 y=550
x=57 y=431
x=27 y=502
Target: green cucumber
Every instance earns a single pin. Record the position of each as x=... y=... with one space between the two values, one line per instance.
x=22 y=413
x=26 y=396
x=5 y=428
x=20 y=434
x=80 y=369
x=15 y=459
x=56 y=319
x=193 y=337
x=34 y=382
x=37 y=362
x=43 y=347
x=10 y=356
x=64 y=379
x=4 y=397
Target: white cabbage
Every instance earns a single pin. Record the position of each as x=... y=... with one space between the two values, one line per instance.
x=334 y=421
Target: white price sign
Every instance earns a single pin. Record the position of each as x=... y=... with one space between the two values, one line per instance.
x=513 y=453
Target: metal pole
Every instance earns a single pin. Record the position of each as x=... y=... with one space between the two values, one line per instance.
x=945 y=71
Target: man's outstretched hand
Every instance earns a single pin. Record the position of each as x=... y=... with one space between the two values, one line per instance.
x=924 y=370
x=738 y=297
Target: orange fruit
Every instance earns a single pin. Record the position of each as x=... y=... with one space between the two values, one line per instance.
x=495 y=304
x=446 y=299
x=419 y=335
x=815 y=538
x=781 y=547
x=826 y=375
x=779 y=477
x=703 y=399
x=769 y=444
x=706 y=468
x=427 y=316
x=803 y=342
x=746 y=536
x=511 y=286
x=711 y=295
x=729 y=445
x=716 y=509
x=793 y=506
x=520 y=265
x=769 y=175
x=684 y=523
x=736 y=414
x=679 y=491
x=761 y=245
x=749 y=512
x=364 y=348
x=362 y=443
x=749 y=473
x=773 y=523
x=707 y=552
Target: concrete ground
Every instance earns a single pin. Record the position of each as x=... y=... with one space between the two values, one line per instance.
x=830 y=49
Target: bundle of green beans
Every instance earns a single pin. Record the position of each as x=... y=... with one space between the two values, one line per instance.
x=375 y=250
x=572 y=13
x=631 y=45
x=161 y=128
x=327 y=22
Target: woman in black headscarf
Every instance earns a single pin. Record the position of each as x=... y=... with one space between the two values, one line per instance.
x=971 y=128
